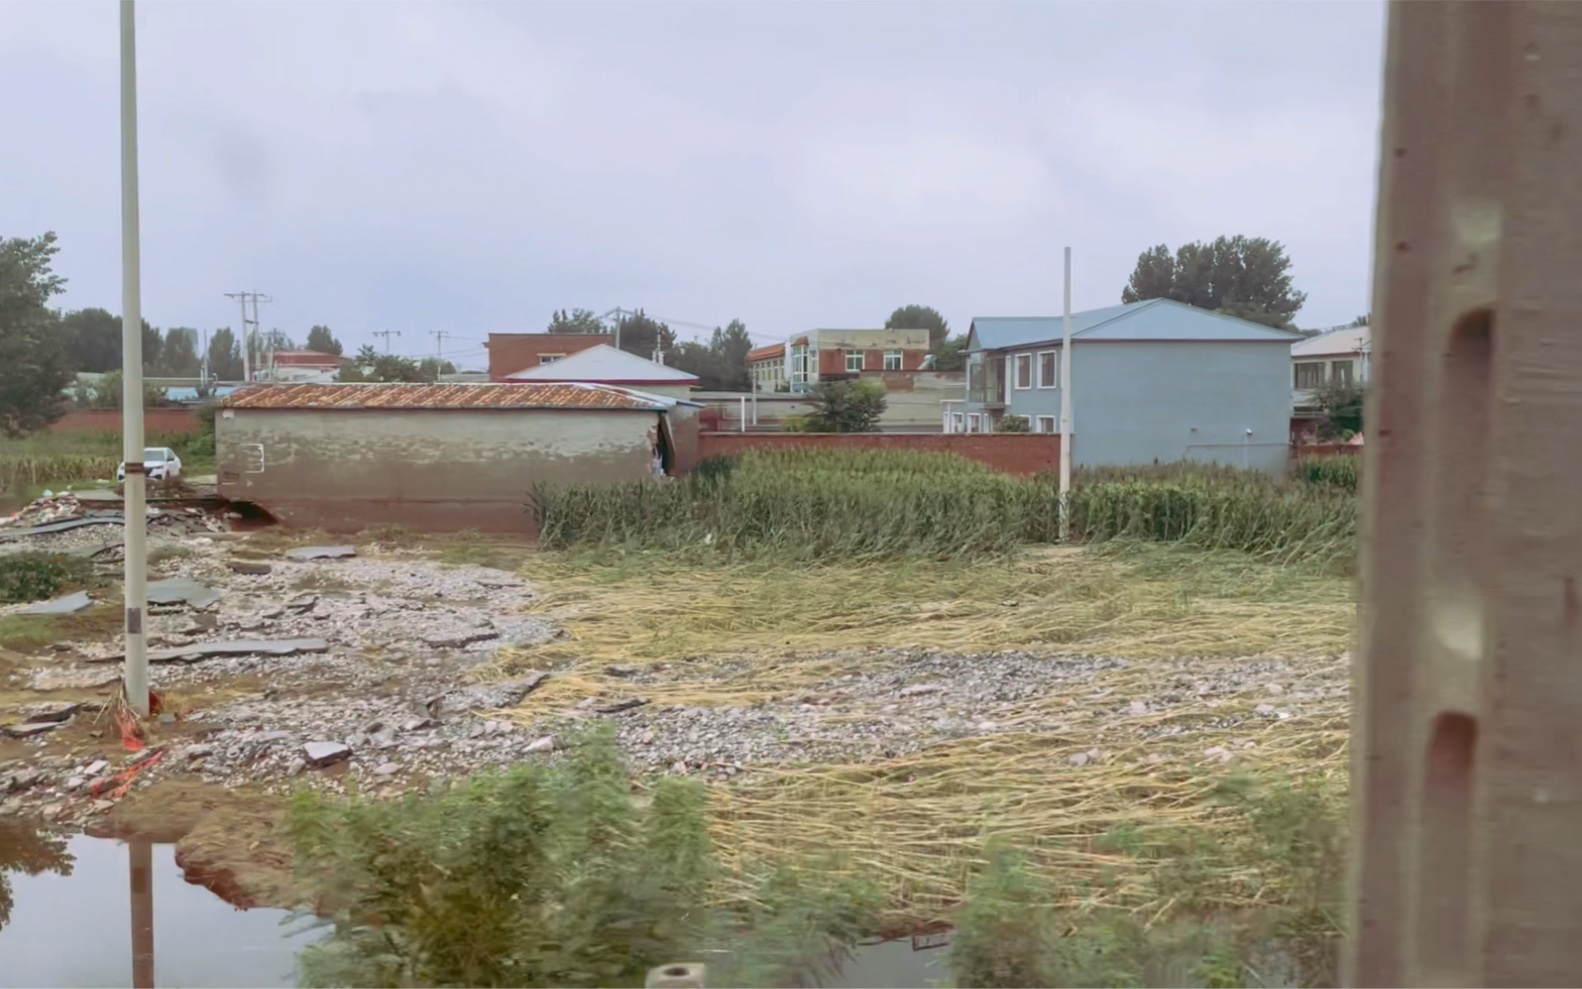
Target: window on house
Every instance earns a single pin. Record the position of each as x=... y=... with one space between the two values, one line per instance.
x=1340 y=372
x=972 y=423
x=853 y=361
x=1024 y=371
x=1049 y=369
x=958 y=422
x=1310 y=374
x=892 y=360
x=1044 y=424
x=549 y=358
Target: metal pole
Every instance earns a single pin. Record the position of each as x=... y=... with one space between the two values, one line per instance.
x=136 y=663
x=1065 y=408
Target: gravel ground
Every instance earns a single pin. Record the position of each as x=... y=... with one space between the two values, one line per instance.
x=395 y=693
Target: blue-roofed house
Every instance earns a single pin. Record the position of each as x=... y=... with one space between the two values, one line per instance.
x=1150 y=381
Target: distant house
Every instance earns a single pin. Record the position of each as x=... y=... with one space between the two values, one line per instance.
x=1150 y=381
x=1342 y=355
x=313 y=360
x=834 y=355
x=513 y=352
x=604 y=365
x=438 y=457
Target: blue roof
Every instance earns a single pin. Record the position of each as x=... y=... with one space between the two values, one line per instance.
x=1154 y=319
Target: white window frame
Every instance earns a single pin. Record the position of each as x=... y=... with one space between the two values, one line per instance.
x=1350 y=367
x=892 y=360
x=1054 y=378
x=1044 y=424
x=974 y=421
x=1022 y=361
x=549 y=358
x=1296 y=374
x=858 y=355
x=958 y=422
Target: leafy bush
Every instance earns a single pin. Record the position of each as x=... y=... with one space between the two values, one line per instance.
x=35 y=576
x=546 y=875
x=852 y=406
x=1341 y=471
x=1014 y=424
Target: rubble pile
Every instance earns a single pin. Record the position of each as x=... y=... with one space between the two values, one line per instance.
x=46 y=510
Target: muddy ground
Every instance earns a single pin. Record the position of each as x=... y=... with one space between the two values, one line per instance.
x=383 y=667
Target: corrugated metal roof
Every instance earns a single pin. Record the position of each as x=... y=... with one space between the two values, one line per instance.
x=1153 y=319
x=608 y=365
x=767 y=352
x=440 y=396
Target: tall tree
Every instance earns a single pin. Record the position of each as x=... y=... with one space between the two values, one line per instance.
x=920 y=318
x=642 y=335
x=576 y=321
x=1248 y=277
x=153 y=347
x=178 y=356
x=225 y=355
x=320 y=339
x=369 y=365
x=92 y=338
x=34 y=369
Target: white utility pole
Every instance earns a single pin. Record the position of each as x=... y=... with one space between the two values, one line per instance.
x=1065 y=409
x=135 y=673
x=439 y=342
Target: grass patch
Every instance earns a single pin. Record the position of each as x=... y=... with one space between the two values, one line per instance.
x=34 y=576
x=31 y=633
x=814 y=506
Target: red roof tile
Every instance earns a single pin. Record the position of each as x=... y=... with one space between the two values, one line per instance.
x=766 y=353
x=435 y=396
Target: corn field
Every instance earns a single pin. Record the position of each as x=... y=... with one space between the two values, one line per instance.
x=19 y=472
x=820 y=505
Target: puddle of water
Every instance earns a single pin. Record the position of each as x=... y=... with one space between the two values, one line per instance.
x=71 y=922
x=895 y=965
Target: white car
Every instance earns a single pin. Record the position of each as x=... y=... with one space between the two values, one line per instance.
x=159 y=462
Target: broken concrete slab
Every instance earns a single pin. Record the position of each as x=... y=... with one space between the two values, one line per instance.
x=239 y=647
x=303 y=554
x=68 y=605
x=484 y=695
x=181 y=590
x=321 y=754
x=47 y=711
x=250 y=568
x=461 y=640
x=30 y=729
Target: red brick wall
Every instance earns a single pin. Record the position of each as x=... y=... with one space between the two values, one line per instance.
x=513 y=352
x=180 y=420
x=832 y=361
x=1010 y=453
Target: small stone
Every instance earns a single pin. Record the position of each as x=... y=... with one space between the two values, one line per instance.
x=75 y=783
x=199 y=751
x=647 y=737
x=678 y=767
x=95 y=767
x=621 y=671
x=320 y=754
x=248 y=568
x=418 y=724
x=545 y=744
x=1080 y=759
x=387 y=769
x=987 y=726
x=1218 y=752
x=1154 y=758
x=31 y=729
x=1264 y=709
x=1138 y=708
x=166 y=718
x=922 y=689
x=266 y=737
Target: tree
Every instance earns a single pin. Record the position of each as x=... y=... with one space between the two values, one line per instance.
x=1246 y=277
x=576 y=321
x=320 y=339
x=920 y=318
x=178 y=356
x=638 y=334
x=370 y=365
x=92 y=338
x=34 y=366
x=1342 y=403
x=951 y=354
x=1363 y=320
x=849 y=406
x=225 y=356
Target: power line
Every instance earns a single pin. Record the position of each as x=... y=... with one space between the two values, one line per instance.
x=439 y=341
x=387 y=334
x=248 y=337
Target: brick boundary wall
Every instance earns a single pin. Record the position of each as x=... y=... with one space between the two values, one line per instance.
x=1009 y=453
x=155 y=421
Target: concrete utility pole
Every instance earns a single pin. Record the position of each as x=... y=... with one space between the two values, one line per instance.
x=1065 y=409
x=249 y=328
x=439 y=342
x=135 y=670
x=387 y=334
x=1465 y=793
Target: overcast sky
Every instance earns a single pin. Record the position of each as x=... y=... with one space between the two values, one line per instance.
x=473 y=167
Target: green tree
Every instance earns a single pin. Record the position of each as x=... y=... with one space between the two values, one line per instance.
x=370 y=365
x=1246 y=277
x=1342 y=403
x=920 y=318
x=576 y=321
x=34 y=367
x=92 y=338
x=1363 y=320
x=320 y=339
x=640 y=334
x=850 y=406
x=951 y=354
x=178 y=357
x=225 y=356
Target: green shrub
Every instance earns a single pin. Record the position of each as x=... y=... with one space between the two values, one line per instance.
x=1340 y=471
x=34 y=576
x=545 y=875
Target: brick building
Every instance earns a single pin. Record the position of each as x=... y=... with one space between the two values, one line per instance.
x=511 y=353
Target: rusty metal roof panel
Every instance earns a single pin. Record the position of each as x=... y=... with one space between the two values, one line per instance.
x=349 y=395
